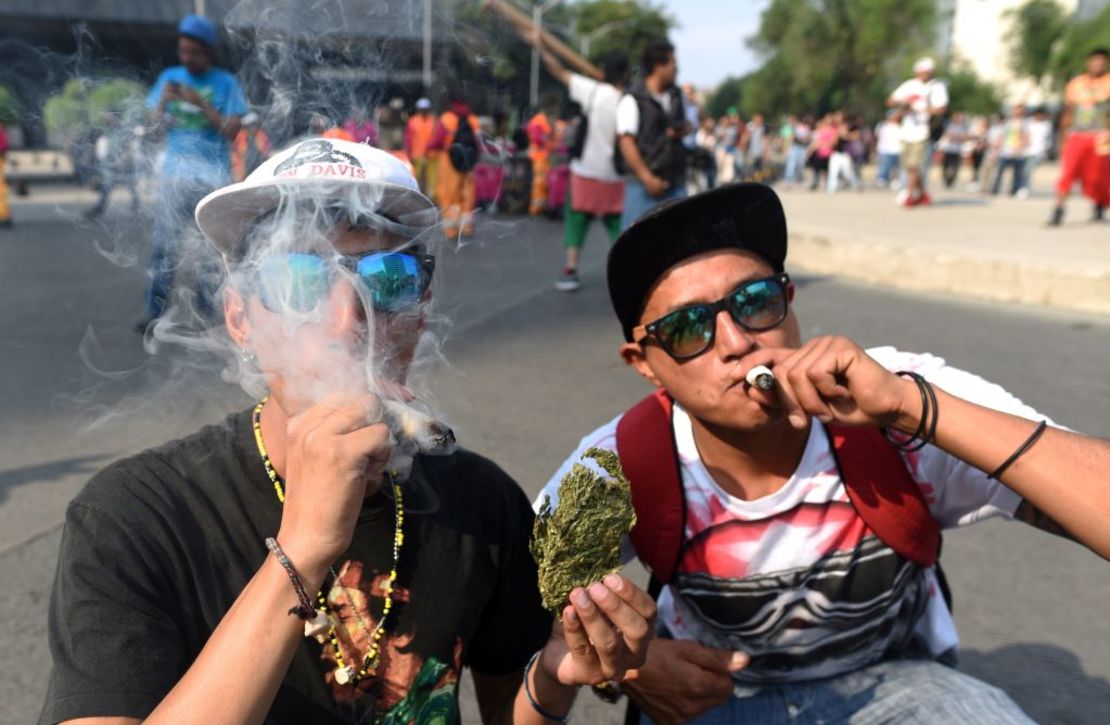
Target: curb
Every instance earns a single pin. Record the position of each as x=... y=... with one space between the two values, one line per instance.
x=951 y=272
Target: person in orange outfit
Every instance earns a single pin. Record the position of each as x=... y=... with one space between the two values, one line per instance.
x=418 y=134
x=540 y=145
x=1085 y=135
x=321 y=125
x=457 y=136
x=250 y=148
x=5 y=207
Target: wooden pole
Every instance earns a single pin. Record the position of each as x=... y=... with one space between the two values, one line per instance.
x=525 y=26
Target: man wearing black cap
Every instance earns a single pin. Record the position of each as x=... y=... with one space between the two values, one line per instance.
x=198 y=107
x=795 y=528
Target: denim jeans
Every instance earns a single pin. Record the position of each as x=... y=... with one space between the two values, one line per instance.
x=911 y=691
x=637 y=201
x=795 y=164
x=1017 y=169
x=888 y=164
x=177 y=240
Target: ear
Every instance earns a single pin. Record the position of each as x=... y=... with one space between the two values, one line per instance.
x=790 y=293
x=235 y=316
x=633 y=354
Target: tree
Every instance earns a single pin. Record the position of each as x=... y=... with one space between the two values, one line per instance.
x=824 y=54
x=969 y=93
x=630 y=26
x=1035 y=29
x=727 y=95
x=1076 y=42
x=84 y=103
x=9 y=107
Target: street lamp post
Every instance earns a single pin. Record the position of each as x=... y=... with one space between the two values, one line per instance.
x=538 y=11
x=590 y=37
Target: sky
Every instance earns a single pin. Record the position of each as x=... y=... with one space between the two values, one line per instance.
x=709 y=42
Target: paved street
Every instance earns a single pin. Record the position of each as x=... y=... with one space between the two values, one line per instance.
x=528 y=371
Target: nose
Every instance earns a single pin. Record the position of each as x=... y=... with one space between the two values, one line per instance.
x=348 y=312
x=732 y=340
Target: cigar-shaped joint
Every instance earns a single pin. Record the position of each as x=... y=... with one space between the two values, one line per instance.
x=761 y=377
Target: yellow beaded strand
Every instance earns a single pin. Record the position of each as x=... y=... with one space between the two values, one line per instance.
x=372 y=658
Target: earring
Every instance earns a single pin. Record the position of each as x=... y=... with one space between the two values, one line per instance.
x=248 y=359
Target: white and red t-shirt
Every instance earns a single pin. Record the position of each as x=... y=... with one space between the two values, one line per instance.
x=796 y=579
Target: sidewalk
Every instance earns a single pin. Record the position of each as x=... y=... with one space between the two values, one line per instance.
x=967 y=244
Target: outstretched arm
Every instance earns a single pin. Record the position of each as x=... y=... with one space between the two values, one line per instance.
x=1062 y=477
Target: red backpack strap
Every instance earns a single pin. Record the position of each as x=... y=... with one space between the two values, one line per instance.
x=646 y=447
x=884 y=494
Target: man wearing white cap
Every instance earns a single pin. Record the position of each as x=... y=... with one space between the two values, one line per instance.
x=922 y=99
x=418 y=134
x=381 y=586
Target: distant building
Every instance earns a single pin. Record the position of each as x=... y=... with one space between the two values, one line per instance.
x=975 y=31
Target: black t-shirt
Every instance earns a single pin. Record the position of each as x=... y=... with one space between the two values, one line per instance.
x=157 y=547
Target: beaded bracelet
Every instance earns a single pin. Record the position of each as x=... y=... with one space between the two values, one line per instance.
x=304 y=610
x=532 y=700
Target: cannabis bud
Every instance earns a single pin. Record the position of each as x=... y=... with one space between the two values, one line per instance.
x=579 y=542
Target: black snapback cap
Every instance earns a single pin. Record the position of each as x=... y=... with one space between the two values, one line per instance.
x=744 y=216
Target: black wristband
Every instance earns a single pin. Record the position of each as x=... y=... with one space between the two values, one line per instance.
x=532 y=700
x=1021 y=450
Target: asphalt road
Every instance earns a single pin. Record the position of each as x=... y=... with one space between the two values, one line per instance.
x=527 y=372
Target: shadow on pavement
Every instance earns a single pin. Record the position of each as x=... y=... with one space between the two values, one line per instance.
x=1048 y=682
x=48 y=472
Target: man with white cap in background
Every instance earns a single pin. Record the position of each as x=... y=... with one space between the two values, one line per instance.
x=418 y=134
x=923 y=100
x=198 y=107
x=382 y=586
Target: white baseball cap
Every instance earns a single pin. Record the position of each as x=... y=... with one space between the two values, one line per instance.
x=924 y=65
x=423 y=104
x=321 y=168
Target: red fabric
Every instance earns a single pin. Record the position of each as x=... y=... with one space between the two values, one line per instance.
x=884 y=494
x=593 y=196
x=1081 y=160
x=648 y=456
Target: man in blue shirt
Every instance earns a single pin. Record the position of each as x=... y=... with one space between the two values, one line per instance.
x=198 y=107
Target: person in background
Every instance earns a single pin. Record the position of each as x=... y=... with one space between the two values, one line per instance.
x=5 y=203
x=1085 y=138
x=1011 y=150
x=840 y=160
x=116 y=155
x=825 y=138
x=758 y=150
x=889 y=147
x=706 y=141
x=541 y=144
x=922 y=99
x=651 y=121
x=456 y=139
x=951 y=146
x=418 y=134
x=199 y=109
x=801 y=135
x=975 y=148
x=361 y=128
x=250 y=148
x=1040 y=138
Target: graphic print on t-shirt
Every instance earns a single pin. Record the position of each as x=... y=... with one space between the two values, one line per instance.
x=409 y=686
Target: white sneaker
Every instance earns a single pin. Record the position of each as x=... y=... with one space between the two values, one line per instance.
x=902 y=197
x=567 y=281
x=1022 y=193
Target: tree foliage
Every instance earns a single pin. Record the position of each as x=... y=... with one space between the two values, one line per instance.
x=1047 y=44
x=969 y=93
x=824 y=54
x=1035 y=28
x=83 y=103
x=10 y=110
x=629 y=26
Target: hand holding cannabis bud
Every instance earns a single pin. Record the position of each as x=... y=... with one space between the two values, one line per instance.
x=606 y=620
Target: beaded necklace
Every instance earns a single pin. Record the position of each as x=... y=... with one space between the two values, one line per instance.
x=323 y=626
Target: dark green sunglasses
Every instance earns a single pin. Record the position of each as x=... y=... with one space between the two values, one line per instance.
x=689 y=331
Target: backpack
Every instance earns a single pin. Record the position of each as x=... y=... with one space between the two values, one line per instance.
x=580 y=127
x=875 y=478
x=463 y=151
